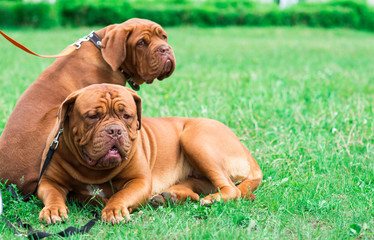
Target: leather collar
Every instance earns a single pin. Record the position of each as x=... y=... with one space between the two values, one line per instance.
x=96 y=40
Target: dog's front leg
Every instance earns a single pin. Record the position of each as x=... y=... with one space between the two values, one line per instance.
x=54 y=197
x=134 y=193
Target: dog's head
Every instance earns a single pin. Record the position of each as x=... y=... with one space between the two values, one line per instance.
x=139 y=47
x=100 y=124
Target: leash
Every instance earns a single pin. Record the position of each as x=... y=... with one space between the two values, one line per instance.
x=92 y=36
x=51 y=151
x=67 y=51
x=32 y=234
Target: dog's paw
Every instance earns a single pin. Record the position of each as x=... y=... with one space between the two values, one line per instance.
x=210 y=199
x=156 y=201
x=160 y=199
x=54 y=213
x=206 y=202
x=252 y=196
x=115 y=214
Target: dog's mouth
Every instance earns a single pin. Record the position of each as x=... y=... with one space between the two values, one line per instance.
x=111 y=158
x=168 y=69
x=163 y=71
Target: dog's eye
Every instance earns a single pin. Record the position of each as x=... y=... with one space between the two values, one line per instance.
x=93 y=117
x=141 y=42
x=126 y=116
x=164 y=37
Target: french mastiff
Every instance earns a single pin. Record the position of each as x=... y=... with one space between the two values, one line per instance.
x=135 y=49
x=108 y=151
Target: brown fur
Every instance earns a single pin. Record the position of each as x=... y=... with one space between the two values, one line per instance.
x=175 y=158
x=24 y=136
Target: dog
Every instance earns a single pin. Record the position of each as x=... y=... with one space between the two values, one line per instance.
x=136 y=47
x=108 y=151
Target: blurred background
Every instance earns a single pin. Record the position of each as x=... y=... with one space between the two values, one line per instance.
x=67 y=13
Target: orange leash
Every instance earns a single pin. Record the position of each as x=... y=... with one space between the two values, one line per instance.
x=67 y=51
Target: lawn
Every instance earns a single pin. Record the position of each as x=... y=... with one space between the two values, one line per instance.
x=300 y=99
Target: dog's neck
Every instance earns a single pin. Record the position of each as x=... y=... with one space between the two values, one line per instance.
x=84 y=67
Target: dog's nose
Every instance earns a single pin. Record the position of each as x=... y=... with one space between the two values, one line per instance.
x=114 y=131
x=164 y=49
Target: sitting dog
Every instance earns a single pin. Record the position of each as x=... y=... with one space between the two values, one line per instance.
x=136 y=47
x=108 y=150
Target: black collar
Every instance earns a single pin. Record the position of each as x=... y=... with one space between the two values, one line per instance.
x=131 y=82
x=95 y=39
x=97 y=42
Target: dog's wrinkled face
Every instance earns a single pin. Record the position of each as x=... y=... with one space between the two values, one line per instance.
x=103 y=124
x=151 y=49
x=147 y=55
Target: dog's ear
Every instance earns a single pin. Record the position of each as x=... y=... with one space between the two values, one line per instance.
x=113 y=46
x=62 y=113
x=65 y=107
x=138 y=102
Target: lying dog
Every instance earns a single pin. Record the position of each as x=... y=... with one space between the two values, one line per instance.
x=137 y=47
x=108 y=148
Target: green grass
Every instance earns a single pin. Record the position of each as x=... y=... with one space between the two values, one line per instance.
x=300 y=99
